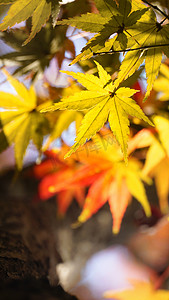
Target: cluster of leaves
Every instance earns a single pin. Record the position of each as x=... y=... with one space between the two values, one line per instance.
x=108 y=98
x=50 y=43
x=102 y=169
x=38 y=10
x=111 y=180
x=22 y=121
x=104 y=101
x=136 y=30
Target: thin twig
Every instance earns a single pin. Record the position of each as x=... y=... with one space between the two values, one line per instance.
x=130 y=49
x=4 y=81
x=157 y=8
x=163 y=21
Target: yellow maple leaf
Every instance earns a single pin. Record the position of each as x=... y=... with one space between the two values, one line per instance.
x=157 y=157
x=104 y=101
x=162 y=82
x=21 y=121
x=157 y=161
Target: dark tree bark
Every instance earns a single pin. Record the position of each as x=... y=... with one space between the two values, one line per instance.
x=28 y=246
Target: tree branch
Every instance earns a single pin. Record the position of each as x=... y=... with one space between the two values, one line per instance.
x=130 y=49
x=156 y=8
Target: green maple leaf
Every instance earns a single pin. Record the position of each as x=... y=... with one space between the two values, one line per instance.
x=104 y=102
x=150 y=39
x=20 y=120
x=111 y=19
x=21 y=10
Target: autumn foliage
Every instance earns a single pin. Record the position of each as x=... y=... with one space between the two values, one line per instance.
x=115 y=96
x=118 y=101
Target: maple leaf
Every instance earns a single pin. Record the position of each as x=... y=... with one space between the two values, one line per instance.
x=31 y=58
x=159 y=144
x=104 y=102
x=161 y=175
x=21 y=121
x=140 y=290
x=108 y=178
x=111 y=19
x=116 y=183
x=148 y=40
x=137 y=32
x=157 y=157
x=158 y=166
x=161 y=83
x=21 y=10
x=54 y=171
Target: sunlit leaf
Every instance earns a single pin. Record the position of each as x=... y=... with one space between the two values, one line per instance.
x=111 y=19
x=150 y=39
x=157 y=158
x=104 y=102
x=20 y=119
x=116 y=184
x=161 y=83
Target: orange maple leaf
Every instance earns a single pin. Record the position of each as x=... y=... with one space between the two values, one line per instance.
x=100 y=167
x=55 y=171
